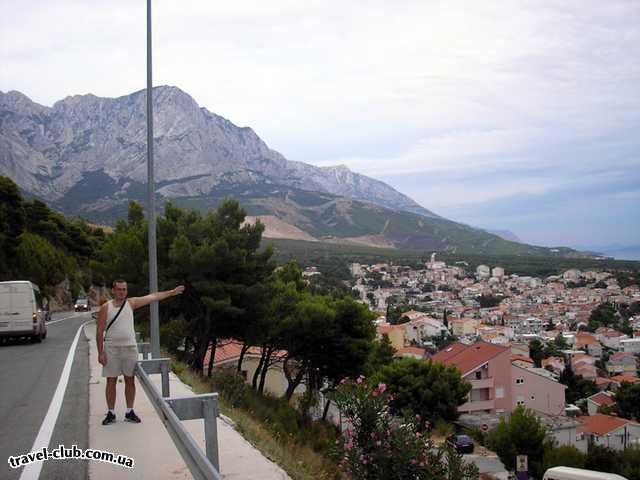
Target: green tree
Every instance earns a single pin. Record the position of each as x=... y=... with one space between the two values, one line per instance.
x=604 y=315
x=124 y=255
x=536 y=352
x=628 y=400
x=522 y=434
x=577 y=387
x=328 y=339
x=218 y=260
x=12 y=225
x=488 y=301
x=381 y=354
x=41 y=262
x=432 y=390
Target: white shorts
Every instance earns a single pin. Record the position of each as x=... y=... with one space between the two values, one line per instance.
x=120 y=360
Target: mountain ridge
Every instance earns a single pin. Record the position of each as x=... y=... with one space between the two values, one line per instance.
x=86 y=155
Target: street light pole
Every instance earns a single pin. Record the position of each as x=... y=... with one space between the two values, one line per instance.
x=151 y=205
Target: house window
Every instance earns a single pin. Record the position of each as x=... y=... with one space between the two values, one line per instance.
x=499 y=392
x=244 y=374
x=478 y=375
x=519 y=381
x=520 y=403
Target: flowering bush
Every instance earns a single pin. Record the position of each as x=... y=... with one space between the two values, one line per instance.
x=376 y=445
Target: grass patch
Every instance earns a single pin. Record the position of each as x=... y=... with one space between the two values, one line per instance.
x=276 y=429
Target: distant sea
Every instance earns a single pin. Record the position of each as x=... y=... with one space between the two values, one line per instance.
x=619 y=252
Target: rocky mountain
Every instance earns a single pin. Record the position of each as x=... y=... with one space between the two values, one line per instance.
x=86 y=156
x=49 y=151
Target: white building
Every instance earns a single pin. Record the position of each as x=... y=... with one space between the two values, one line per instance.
x=630 y=345
x=483 y=271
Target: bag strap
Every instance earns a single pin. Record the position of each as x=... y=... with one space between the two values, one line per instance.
x=116 y=317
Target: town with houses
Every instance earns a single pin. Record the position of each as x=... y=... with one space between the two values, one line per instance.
x=444 y=321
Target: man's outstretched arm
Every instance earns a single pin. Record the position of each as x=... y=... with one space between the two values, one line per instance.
x=137 y=302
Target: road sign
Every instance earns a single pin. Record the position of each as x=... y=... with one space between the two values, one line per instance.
x=522 y=463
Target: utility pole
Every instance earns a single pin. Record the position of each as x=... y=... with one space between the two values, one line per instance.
x=151 y=205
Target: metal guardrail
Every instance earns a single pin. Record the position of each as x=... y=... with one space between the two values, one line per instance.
x=173 y=410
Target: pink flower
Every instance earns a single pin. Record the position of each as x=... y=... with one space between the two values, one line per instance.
x=392 y=397
x=343 y=381
x=414 y=461
x=348 y=446
x=360 y=379
x=382 y=387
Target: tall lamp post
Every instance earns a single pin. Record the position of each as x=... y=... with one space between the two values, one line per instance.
x=151 y=206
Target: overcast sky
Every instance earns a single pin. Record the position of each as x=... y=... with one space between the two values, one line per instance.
x=520 y=115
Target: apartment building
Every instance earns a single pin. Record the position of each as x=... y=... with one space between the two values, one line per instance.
x=499 y=386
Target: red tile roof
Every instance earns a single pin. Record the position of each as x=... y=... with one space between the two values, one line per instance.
x=602 y=398
x=621 y=356
x=387 y=328
x=230 y=350
x=522 y=358
x=446 y=353
x=601 y=424
x=602 y=381
x=468 y=357
x=410 y=350
x=585 y=339
x=625 y=378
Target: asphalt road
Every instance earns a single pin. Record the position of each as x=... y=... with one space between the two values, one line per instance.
x=29 y=375
x=486 y=464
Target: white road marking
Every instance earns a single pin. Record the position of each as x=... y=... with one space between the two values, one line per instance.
x=65 y=318
x=32 y=471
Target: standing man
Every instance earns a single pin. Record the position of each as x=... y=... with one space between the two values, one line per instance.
x=117 y=348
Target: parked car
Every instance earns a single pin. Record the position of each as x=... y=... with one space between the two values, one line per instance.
x=21 y=312
x=82 y=304
x=461 y=443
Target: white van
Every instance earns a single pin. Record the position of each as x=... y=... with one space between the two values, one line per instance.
x=569 y=473
x=21 y=312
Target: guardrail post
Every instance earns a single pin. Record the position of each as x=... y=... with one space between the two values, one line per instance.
x=144 y=348
x=210 y=413
x=164 y=370
x=158 y=365
x=202 y=465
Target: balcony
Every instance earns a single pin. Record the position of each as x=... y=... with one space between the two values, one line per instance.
x=477 y=406
x=482 y=383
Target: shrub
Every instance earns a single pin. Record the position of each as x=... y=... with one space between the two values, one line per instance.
x=377 y=445
x=231 y=386
x=443 y=428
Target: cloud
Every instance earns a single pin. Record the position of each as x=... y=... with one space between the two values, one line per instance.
x=479 y=100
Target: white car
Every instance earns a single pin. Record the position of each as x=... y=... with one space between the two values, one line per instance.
x=569 y=473
x=21 y=312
